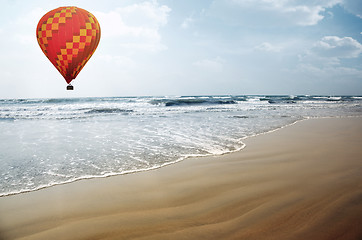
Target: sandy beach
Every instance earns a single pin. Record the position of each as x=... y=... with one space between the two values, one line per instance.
x=303 y=181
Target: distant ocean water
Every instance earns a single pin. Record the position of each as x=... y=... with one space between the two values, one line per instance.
x=45 y=142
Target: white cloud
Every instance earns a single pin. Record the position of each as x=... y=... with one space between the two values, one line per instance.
x=187 y=22
x=136 y=26
x=118 y=60
x=285 y=12
x=147 y=14
x=304 y=15
x=214 y=64
x=300 y=14
x=336 y=47
x=267 y=47
x=325 y=59
x=329 y=72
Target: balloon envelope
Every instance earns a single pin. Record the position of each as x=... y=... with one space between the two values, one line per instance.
x=68 y=36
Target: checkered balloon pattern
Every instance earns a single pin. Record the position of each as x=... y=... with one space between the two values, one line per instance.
x=68 y=36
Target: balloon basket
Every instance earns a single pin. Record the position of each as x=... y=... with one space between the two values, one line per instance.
x=70 y=87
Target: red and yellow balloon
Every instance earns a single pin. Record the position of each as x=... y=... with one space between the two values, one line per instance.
x=68 y=36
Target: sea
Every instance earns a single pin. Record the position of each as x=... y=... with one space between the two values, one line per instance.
x=47 y=142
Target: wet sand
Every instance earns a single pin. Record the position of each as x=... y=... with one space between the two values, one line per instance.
x=300 y=182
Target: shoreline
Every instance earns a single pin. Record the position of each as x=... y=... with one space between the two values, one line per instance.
x=289 y=183
x=85 y=178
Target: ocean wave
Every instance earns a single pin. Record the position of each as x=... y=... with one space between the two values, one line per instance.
x=335 y=98
x=7 y=119
x=191 y=101
x=109 y=110
x=275 y=99
x=20 y=101
x=282 y=99
x=61 y=100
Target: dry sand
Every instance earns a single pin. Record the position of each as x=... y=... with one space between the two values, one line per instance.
x=300 y=182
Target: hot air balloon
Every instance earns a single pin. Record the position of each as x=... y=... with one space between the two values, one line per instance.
x=68 y=36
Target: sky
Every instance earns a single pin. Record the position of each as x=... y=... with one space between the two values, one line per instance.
x=189 y=47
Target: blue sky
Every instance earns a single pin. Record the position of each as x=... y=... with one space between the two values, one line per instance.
x=174 y=47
